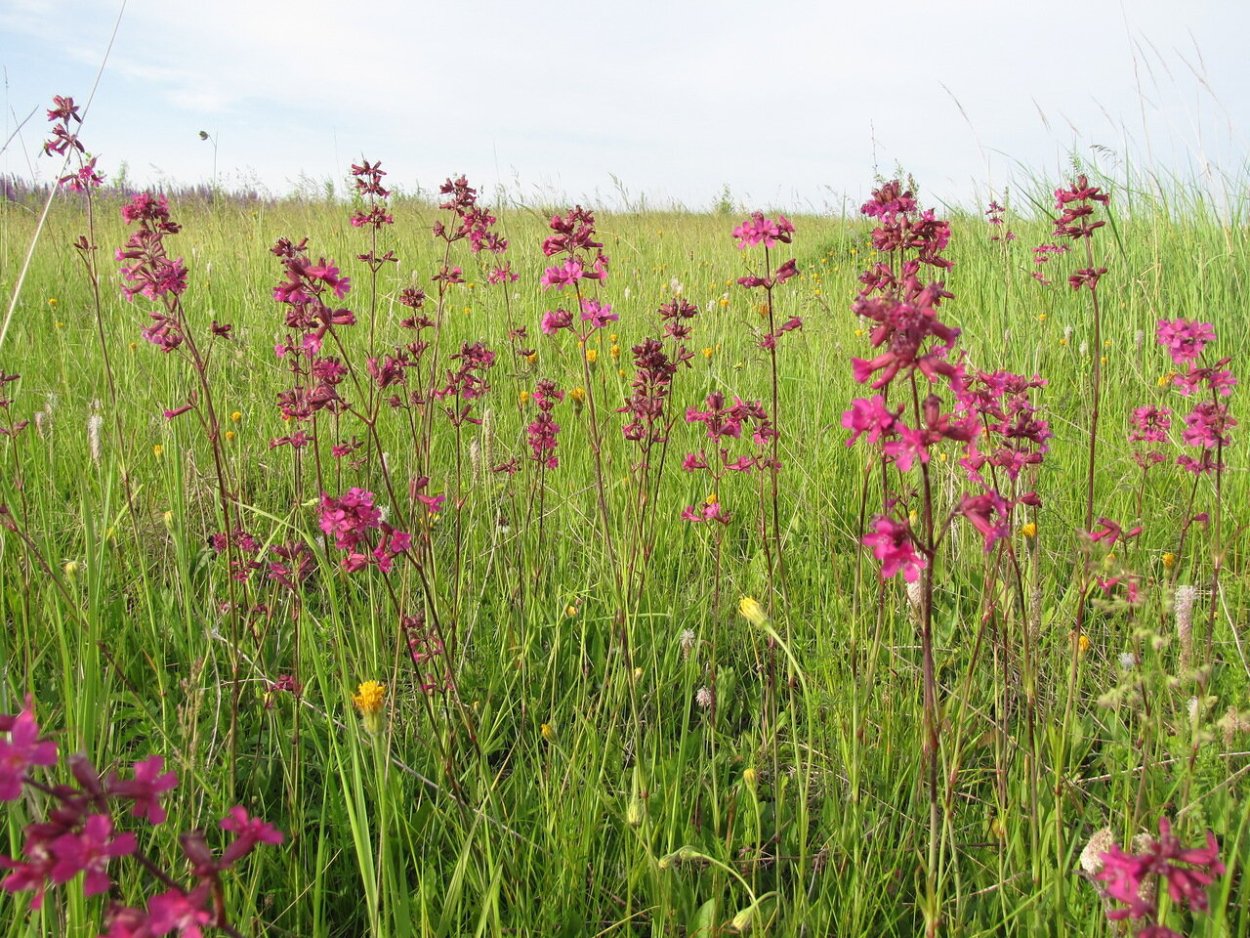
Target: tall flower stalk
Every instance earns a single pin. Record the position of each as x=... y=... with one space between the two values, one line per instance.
x=753 y=232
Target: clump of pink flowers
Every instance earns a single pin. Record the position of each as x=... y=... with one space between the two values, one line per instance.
x=1135 y=880
x=80 y=836
x=351 y=521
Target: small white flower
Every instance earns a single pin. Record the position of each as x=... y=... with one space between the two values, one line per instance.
x=1128 y=660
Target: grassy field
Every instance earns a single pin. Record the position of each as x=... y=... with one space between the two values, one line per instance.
x=592 y=738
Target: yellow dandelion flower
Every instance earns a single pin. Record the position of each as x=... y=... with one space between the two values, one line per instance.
x=1166 y=378
x=368 y=699
x=524 y=397
x=1169 y=560
x=707 y=352
x=752 y=611
x=860 y=333
x=1041 y=317
x=578 y=394
x=1103 y=360
x=532 y=358
x=1063 y=340
x=711 y=499
x=613 y=338
x=570 y=610
x=1082 y=644
x=548 y=732
x=52 y=301
x=230 y=436
x=1029 y=530
x=615 y=351
x=723 y=302
x=749 y=777
x=158 y=451
x=236 y=416
x=133 y=346
x=592 y=356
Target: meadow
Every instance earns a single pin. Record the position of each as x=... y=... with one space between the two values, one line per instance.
x=451 y=613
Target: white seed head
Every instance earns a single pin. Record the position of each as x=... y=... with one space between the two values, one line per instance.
x=94 y=424
x=1100 y=844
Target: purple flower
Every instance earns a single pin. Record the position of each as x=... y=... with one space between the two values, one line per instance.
x=88 y=852
x=891 y=543
x=23 y=749
x=1184 y=340
x=145 y=788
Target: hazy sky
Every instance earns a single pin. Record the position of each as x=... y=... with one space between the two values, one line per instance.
x=789 y=104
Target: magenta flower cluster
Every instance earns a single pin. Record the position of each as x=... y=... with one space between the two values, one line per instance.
x=1134 y=880
x=541 y=432
x=80 y=836
x=351 y=521
x=573 y=239
x=1208 y=425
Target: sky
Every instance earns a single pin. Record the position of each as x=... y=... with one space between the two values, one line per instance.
x=791 y=105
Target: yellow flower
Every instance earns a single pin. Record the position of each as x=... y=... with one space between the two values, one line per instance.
x=749 y=777
x=168 y=518
x=71 y=568
x=532 y=358
x=60 y=325
x=711 y=499
x=707 y=352
x=548 y=732
x=133 y=346
x=1041 y=317
x=613 y=337
x=236 y=416
x=1029 y=530
x=723 y=302
x=1082 y=644
x=229 y=436
x=592 y=355
x=752 y=611
x=1166 y=378
x=1103 y=359
x=524 y=398
x=369 y=696
x=1063 y=340
x=570 y=610
x=860 y=333
x=615 y=351
x=52 y=302
x=578 y=394
x=368 y=699
x=1169 y=560
x=158 y=451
